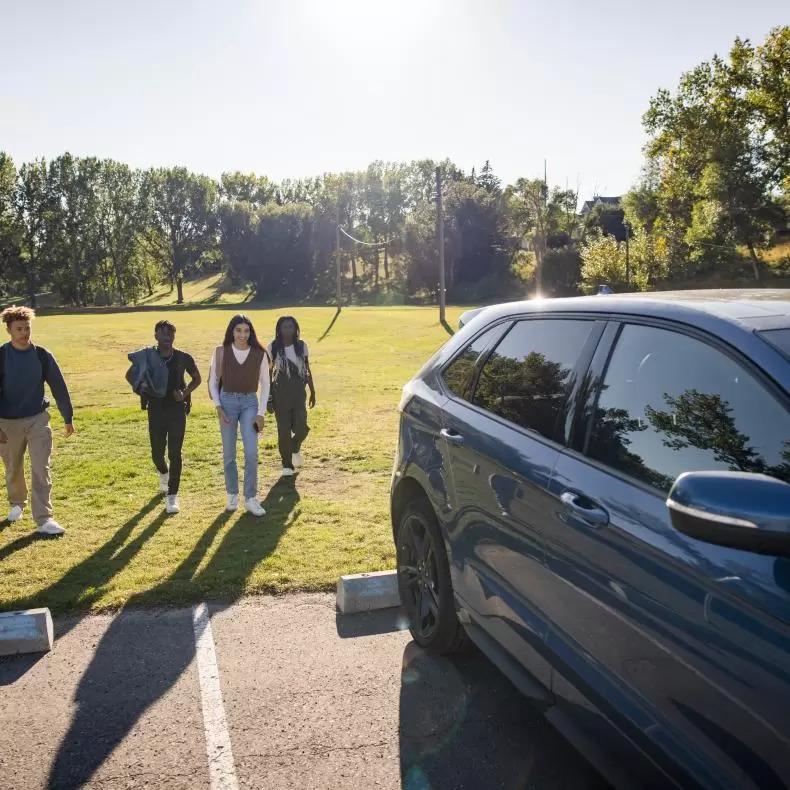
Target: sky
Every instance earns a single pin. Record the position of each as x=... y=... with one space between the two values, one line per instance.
x=298 y=87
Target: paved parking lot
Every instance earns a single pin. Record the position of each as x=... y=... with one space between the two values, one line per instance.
x=281 y=693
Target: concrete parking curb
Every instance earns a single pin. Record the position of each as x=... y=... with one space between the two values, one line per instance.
x=28 y=631
x=363 y=592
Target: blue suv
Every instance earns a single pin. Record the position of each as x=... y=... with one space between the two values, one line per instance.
x=596 y=492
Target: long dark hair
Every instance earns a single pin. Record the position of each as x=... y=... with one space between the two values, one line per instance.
x=234 y=322
x=278 y=345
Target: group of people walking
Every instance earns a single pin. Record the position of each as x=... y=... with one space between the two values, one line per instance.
x=246 y=382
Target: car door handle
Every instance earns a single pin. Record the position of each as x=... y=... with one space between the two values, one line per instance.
x=452 y=436
x=584 y=509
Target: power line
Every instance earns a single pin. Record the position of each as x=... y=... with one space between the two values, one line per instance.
x=365 y=243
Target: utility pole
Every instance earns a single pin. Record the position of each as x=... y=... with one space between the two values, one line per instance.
x=440 y=242
x=337 y=255
x=627 y=257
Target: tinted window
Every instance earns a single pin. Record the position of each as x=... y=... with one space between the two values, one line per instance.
x=672 y=404
x=457 y=373
x=526 y=378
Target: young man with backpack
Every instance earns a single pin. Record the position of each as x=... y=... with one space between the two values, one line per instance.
x=157 y=376
x=24 y=418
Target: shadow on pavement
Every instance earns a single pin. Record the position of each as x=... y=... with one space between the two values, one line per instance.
x=140 y=657
x=382 y=621
x=14 y=667
x=463 y=725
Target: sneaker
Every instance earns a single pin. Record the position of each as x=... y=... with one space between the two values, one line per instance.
x=287 y=471
x=171 y=504
x=15 y=513
x=297 y=459
x=51 y=527
x=254 y=506
x=233 y=502
x=164 y=482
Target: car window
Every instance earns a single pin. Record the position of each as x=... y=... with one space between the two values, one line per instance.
x=527 y=376
x=456 y=374
x=670 y=404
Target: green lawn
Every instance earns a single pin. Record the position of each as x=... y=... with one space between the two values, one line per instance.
x=121 y=548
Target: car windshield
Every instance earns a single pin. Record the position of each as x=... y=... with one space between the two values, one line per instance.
x=778 y=338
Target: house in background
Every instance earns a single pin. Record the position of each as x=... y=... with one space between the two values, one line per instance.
x=605 y=213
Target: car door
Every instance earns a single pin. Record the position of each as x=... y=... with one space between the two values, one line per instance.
x=503 y=441
x=682 y=646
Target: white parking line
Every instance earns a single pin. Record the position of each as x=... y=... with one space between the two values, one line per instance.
x=222 y=771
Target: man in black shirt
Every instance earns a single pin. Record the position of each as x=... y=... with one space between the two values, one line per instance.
x=167 y=416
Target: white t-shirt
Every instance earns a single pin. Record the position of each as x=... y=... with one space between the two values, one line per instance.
x=241 y=356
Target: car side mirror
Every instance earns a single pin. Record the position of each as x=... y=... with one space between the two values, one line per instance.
x=736 y=509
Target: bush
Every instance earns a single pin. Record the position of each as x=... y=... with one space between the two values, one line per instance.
x=604 y=262
x=562 y=272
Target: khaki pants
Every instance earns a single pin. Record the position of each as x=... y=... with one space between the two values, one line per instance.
x=34 y=435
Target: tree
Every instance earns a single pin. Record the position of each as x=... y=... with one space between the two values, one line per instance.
x=528 y=211
x=121 y=222
x=181 y=220
x=9 y=228
x=247 y=187
x=78 y=239
x=36 y=214
x=604 y=262
x=721 y=148
x=270 y=246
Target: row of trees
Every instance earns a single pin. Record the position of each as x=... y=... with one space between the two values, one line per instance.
x=97 y=230
x=716 y=180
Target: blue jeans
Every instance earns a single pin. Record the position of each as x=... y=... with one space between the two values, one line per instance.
x=241 y=409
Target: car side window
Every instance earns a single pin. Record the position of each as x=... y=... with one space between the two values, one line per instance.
x=528 y=375
x=670 y=403
x=457 y=374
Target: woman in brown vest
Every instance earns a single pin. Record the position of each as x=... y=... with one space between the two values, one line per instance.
x=239 y=387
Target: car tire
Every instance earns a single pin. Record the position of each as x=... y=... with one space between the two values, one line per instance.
x=424 y=584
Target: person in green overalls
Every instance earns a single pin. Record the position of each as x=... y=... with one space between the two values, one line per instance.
x=290 y=375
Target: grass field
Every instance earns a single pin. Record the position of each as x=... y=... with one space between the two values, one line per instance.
x=213 y=289
x=120 y=547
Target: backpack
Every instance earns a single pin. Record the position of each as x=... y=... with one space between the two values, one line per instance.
x=43 y=358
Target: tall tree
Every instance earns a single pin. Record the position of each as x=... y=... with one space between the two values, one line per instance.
x=121 y=221
x=721 y=144
x=9 y=227
x=181 y=220
x=37 y=211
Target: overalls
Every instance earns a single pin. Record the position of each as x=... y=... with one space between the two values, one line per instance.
x=290 y=409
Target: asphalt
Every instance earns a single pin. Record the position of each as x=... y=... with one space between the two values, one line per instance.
x=312 y=699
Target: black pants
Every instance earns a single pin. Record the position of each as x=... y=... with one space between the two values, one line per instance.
x=167 y=424
x=292 y=428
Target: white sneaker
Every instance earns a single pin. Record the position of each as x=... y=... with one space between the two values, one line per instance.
x=15 y=513
x=233 y=502
x=164 y=482
x=253 y=506
x=287 y=472
x=51 y=527
x=297 y=459
x=171 y=504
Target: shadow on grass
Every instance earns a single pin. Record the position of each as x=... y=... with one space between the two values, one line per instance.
x=331 y=323
x=141 y=657
x=94 y=572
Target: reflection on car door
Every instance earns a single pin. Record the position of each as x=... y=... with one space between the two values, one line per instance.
x=502 y=446
x=684 y=646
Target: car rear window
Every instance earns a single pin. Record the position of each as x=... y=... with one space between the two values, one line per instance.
x=778 y=338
